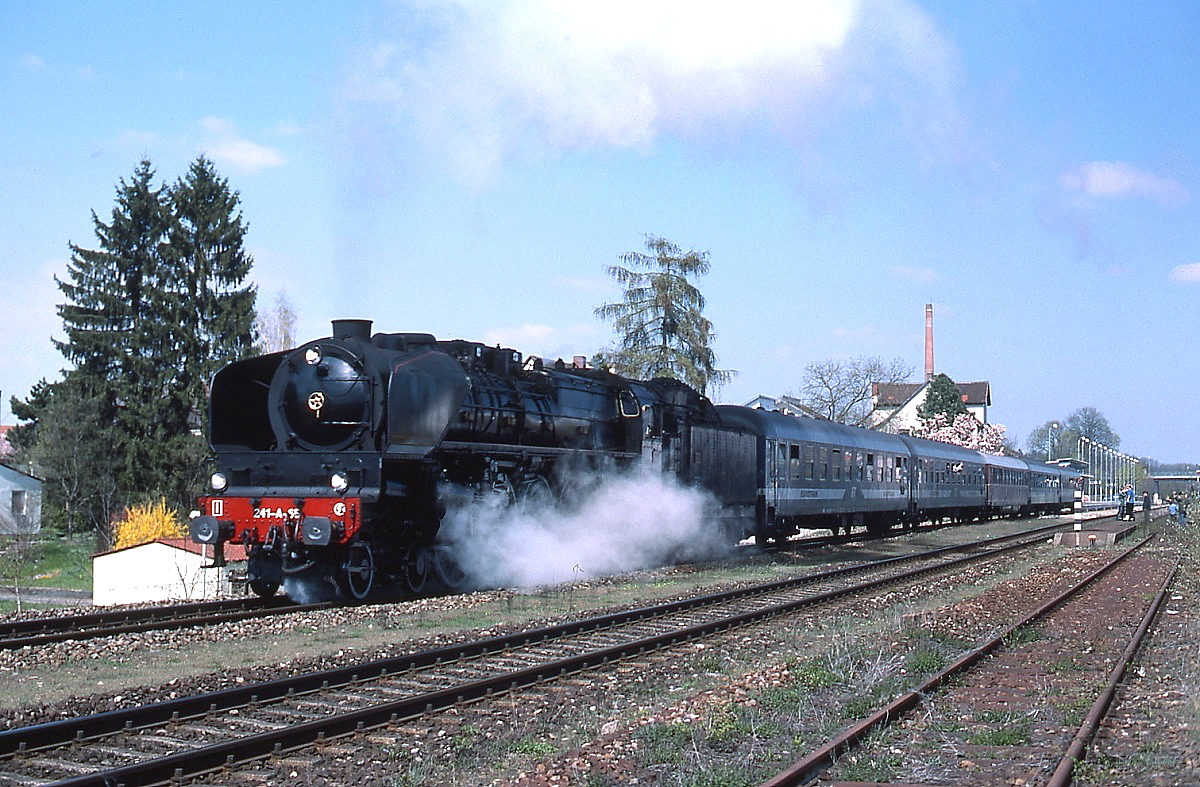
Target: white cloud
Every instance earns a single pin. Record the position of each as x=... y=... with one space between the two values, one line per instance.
x=33 y=62
x=1119 y=179
x=1186 y=273
x=487 y=77
x=224 y=145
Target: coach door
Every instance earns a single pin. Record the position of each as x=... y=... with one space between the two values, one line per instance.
x=776 y=462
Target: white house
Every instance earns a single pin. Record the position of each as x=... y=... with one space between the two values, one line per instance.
x=163 y=570
x=895 y=404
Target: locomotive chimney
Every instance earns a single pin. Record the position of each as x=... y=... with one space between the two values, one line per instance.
x=352 y=329
x=928 y=342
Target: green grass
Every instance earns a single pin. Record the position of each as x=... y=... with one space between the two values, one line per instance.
x=1023 y=635
x=1008 y=729
x=663 y=744
x=533 y=748
x=863 y=767
x=59 y=563
x=924 y=660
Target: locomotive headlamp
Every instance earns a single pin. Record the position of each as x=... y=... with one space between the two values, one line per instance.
x=339 y=482
x=219 y=482
x=312 y=356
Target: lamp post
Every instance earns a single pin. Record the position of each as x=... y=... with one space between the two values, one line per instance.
x=1050 y=439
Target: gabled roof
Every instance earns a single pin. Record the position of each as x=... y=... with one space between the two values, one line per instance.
x=894 y=394
x=899 y=394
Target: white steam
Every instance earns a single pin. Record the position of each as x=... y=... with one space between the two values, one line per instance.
x=619 y=523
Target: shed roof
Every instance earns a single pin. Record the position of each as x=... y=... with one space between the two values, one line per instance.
x=233 y=552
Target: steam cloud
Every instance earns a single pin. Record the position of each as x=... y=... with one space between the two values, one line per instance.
x=620 y=523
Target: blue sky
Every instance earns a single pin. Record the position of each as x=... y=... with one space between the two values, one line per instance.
x=469 y=168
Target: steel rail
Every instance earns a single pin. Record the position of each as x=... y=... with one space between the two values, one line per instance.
x=206 y=758
x=1091 y=725
x=809 y=767
x=45 y=631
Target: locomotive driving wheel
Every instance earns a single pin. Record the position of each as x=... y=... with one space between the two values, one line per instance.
x=358 y=570
x=264 y=570
x=536 y=492
x=417 y=569
x=447 y=568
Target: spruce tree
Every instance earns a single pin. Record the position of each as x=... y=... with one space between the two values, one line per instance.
x=214 y=306
x=151 y=313
x=110 y=289
x=114 y=292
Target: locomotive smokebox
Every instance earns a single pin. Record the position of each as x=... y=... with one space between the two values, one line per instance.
x=352 y=329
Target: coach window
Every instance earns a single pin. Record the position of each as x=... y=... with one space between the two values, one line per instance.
x=794 y=461
x=836 y=461
x=823 y=461
x=809 y=462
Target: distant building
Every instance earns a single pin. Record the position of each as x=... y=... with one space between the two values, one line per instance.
x=785 y=404
x=20 y=502
x=5 y=447
x=167 y=569
x=894 y=405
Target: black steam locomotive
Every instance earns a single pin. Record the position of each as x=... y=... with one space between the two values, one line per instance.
x=339 y=459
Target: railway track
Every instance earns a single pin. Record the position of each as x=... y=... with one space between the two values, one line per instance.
x=46 y=630
x=60 y=628
x=1005 y=708
x=202 y=733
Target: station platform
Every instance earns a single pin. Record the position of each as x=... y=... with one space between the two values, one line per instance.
x=1094 y=534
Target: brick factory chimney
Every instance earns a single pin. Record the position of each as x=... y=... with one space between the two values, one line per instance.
x=928 y=342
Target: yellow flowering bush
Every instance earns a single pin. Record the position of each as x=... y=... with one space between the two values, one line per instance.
x=144 y=523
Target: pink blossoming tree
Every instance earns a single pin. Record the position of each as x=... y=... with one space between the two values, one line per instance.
x=964 y=430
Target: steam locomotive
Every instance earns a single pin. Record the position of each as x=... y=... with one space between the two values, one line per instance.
x=339 y=459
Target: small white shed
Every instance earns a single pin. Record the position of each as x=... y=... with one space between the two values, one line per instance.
x=164 y=570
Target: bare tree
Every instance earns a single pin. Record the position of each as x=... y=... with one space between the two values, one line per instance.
x=841 y=389
x=18 y=552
